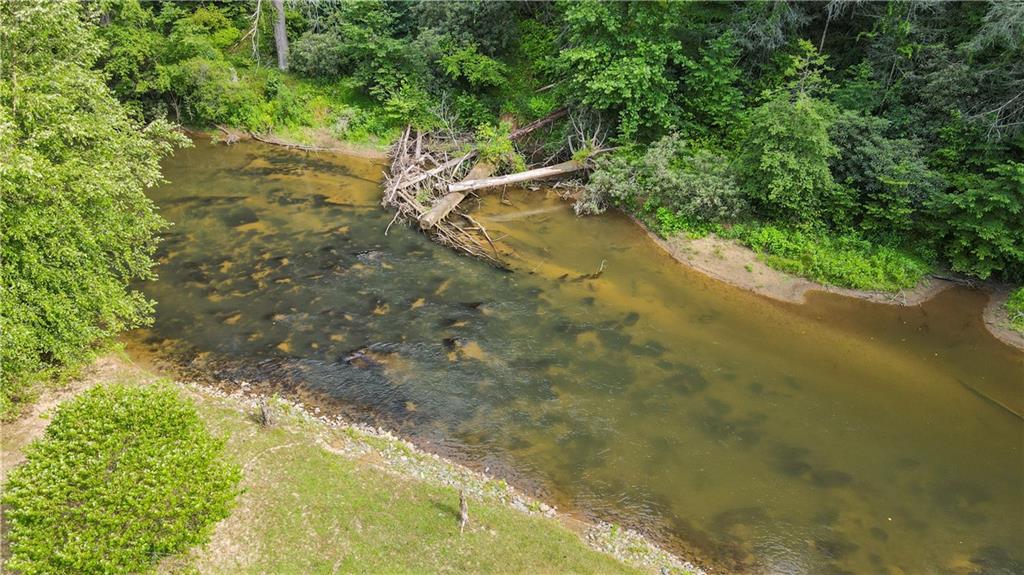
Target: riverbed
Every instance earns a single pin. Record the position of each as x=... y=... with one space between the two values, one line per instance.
x=828 y=437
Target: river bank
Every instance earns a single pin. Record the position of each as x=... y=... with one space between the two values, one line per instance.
x=647 y=394
x=730 y=262
x=322 y=492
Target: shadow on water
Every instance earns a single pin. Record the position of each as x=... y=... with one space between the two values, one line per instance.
x=837 y=436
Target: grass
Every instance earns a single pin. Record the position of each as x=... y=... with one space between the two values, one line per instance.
x=833 y=259
x=320 y=499
x=307 y=509
x=1015 y=309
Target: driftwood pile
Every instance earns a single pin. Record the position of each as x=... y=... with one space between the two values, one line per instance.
x=432 y=173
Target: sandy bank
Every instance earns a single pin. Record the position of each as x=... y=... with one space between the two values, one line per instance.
x=737 y=265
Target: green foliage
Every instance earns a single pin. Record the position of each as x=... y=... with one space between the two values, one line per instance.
x=845 y=260
x=77 y=228
x=123 y=477
x=690 y=184
x=713 y=100
x=784 y=157
x=982 y=223
x=495 y=147
x=1015 y=309
x=623 y=58
x=886 y=180
x=478 y=70
x=861 y=92
x=886 y=126
x=668 y=223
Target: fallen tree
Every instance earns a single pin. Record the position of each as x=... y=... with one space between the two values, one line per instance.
x=468 y=185
x=431 y=174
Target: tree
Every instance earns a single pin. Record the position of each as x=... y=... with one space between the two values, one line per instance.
x=76 y=225
x=785 y=152
x=887 y=179
x=982 y=223
x=623 y=58
x=711 y=96
x=280 y=35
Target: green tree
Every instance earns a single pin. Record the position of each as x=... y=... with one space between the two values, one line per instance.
x=623 y=58
x=887 y=179
x=76 y=226
x=982 y=223
x=785 y=149
x=711 y=95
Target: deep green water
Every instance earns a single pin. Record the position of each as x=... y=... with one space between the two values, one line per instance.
x=836 y=436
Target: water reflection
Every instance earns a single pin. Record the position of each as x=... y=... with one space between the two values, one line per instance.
x=838 y=436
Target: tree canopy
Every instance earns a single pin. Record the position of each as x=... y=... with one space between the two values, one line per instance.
x=76 y=226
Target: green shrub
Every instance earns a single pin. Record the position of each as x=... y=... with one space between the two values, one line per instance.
x=692 y=183
x=982 y=223
x=1015 y=309
x=844 y=260
x=495 y=147
x=122 y=477
x=784 y=158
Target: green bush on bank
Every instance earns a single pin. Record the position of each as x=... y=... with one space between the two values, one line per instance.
x=845 y=260
x=1015 y=309
x=122 y=477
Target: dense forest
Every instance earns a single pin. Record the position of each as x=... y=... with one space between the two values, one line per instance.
x=858 y=143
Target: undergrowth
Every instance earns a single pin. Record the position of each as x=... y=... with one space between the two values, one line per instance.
x=844 y=260
x=1015 y=309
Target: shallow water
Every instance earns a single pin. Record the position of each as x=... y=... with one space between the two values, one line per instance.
x=836 y=436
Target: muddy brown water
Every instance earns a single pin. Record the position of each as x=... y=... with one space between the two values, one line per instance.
x=836 y=436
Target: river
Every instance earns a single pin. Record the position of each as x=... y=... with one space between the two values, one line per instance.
x=830 y=437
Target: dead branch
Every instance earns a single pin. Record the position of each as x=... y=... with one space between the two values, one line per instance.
x=537 y=124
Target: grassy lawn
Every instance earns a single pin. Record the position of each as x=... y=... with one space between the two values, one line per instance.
x=309 y=509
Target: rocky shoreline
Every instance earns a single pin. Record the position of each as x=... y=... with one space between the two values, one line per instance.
x=404 y=458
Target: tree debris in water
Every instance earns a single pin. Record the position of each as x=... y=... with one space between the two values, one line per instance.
x=431 y=173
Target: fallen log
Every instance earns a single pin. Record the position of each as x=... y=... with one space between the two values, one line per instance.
x=480 y=171
x=469 y=185
x=445 y=205
x=445 y=166
x=534 y=125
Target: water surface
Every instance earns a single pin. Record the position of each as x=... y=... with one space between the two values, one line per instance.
x=836 y=436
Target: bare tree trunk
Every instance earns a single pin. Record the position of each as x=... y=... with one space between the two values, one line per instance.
x=280 y=35
x=547 y=172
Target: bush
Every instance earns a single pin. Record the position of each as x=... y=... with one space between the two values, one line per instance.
x=318 y=55
x=495 y=147
x=1015 y=309
x=692 y=184
x=843 y=260
x=122 y=477
x=887 y=179
x=982 y=223
x=784 y=158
